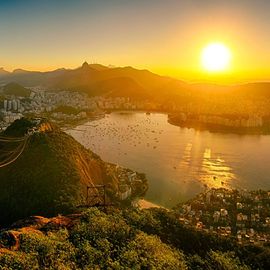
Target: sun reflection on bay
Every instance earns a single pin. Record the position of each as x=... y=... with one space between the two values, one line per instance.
x=215 y=172
x=204 y=166
x=186 y=158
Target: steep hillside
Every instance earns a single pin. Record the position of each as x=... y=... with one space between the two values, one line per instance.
x=51 y=176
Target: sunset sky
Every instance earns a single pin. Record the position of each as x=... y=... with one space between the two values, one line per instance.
x=165 y=36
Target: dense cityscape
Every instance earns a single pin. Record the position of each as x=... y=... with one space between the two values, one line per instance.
x=242 y=214
x=71 y=106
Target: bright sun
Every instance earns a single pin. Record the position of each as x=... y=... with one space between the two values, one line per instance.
x=216 y=57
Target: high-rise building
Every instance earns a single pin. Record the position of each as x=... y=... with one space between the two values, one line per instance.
x=14 y=105
x=5 y=105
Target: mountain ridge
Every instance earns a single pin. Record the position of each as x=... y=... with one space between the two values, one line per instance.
x=95 y=79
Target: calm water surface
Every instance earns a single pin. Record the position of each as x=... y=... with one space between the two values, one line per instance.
x=178 y=162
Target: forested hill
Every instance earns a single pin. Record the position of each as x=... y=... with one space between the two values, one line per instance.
x=121 y=239
x=51 y=175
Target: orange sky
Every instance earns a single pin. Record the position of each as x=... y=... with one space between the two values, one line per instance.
x=166 y=37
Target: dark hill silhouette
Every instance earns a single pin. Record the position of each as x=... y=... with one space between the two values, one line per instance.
x=123 y=86
x=50 y=177
x=117 y=87
x=87 y=77
x=75 y=79
x=145 y=78
x=97 y=79
x=98 y=67
x=29 y=78
x=16 y=90
x=3 y=72
x=126 y=81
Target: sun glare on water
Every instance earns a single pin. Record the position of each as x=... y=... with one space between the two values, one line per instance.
x=216 y=57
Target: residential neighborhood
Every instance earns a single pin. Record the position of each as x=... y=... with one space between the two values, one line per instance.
x=130 y=183
x=242 y=214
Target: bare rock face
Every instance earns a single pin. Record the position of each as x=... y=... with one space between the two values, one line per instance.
x=32 y=221
x=59 y=222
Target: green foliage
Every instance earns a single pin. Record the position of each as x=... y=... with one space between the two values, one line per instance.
x=225 y=261
x=196 y=244
x=195 y=262
x=216 y=260
x=148 y=252
x=18 y=261
x=97 y=226
x=166 y=225
x=52 y=250
x=118 y=240
x=103 y=235
x=107 y=241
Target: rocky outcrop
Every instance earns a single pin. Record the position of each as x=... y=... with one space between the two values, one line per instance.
x=10 y=238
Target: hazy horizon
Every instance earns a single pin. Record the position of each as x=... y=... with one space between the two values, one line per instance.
x=164 y=37
x=191 y=81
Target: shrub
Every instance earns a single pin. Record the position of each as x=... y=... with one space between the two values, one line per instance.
x=18 y=261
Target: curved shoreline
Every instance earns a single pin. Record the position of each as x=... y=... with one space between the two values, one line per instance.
x=190 y=124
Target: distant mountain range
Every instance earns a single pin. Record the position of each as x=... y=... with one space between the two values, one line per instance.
x=96 y=79
x=85 y=76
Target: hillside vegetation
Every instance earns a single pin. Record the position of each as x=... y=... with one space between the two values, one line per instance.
x=121 y=239
x=50 y=177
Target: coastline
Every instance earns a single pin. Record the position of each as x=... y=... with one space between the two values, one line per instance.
x=144 y=204
x=76 y=123
x=191 y=124
x=215 y=128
